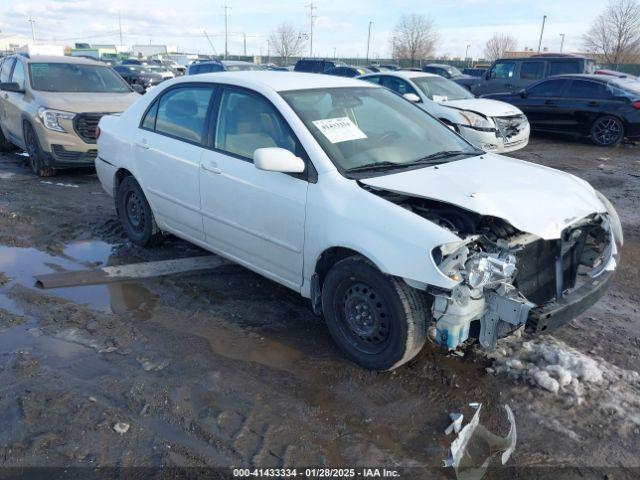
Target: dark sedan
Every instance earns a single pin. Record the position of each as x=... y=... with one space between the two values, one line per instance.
x=139 y=75
x=605 y=109
x=347 y=71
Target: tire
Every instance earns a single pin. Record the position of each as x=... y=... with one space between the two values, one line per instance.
x=36 y=155
x=5 y=145
x=395 y=327
x=135 y=214
x=607 y=131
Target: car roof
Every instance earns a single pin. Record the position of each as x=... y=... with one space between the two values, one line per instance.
x=406 y=74
x=236 y=62
x=439 y=65
x=278 y=82
x=59 y=59
x=585 y=76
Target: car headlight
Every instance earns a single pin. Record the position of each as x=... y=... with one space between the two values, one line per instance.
x=477 y=121
x=616 y=225
x=50 y=118
x=483 y=269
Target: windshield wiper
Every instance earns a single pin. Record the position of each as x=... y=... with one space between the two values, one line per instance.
x=435 y=158
x=377 y=166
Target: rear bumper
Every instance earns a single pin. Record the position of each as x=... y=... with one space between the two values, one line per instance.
x=552 y=315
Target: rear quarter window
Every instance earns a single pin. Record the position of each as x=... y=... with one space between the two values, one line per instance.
x=562 y=67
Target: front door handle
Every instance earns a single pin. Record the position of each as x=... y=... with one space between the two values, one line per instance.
x=143 y=144
x=549 y=102
x=210 y=167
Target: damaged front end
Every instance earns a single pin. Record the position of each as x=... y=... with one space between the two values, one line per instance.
x=518 y=279
x=507 y=279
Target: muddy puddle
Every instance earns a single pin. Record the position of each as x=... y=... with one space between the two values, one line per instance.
x=21 y=265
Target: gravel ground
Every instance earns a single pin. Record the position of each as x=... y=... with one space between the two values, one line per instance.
x=225 y=368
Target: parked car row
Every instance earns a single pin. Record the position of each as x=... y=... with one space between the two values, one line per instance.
x=368 y=196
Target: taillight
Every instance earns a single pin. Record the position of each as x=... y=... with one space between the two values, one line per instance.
x=97 y=133
x=636 y=105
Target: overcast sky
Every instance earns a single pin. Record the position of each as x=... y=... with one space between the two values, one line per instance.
x=340 y=24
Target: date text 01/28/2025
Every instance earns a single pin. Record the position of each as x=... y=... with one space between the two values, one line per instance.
x=316 y=473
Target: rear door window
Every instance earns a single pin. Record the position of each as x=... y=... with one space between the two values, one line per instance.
x=532 y=70
x=550 y=88
x=588 y=90
x=560 y=67
x=182 y=112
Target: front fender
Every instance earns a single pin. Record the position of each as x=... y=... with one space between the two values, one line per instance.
x=340 y=213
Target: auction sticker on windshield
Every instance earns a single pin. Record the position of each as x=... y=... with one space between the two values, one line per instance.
x=339 y=129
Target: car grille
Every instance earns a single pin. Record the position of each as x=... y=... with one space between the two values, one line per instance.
x=62 y=154
x=536 y=277
x=510 y=127
x=85 y=125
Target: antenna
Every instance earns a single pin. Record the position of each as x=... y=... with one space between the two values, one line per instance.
x=33 y=31
x=210 y=42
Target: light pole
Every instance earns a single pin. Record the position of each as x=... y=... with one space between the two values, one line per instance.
x=226 y=30
x=368 y=41
x=562 y=42
x=311 y=8
x=33 y=31
x=544 y=19
x=466 y=54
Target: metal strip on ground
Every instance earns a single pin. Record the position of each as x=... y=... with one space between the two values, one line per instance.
x=133 y=271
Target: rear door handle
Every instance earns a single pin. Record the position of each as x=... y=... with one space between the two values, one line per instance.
x=592 y=104
x=549 y=102
x=210 y=167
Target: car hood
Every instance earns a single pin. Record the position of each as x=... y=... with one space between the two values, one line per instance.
x=87 y=102
x=484 y=106
x=532 y=198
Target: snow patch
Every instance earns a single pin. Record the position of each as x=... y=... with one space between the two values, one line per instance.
x=552 y=365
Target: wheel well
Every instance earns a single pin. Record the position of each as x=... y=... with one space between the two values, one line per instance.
x=120 y=175
x=329 y=258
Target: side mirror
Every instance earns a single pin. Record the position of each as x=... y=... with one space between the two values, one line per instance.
x=523 y=93
x=412 y=97
x=137 y=88
x=277 y=160
x=11 y=87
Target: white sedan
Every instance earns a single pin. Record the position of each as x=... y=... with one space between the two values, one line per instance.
x=490 y=125
x=390 y=223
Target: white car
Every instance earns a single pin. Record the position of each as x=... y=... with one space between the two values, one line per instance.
x=490 y=125
x=390 y=223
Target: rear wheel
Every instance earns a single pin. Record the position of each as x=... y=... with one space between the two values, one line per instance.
x=36 y=155
x=377 y=320
x=607 y=131
x=5 y=145
x=135 y=214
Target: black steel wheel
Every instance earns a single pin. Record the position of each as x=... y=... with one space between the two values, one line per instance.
x=607 y=131
x=377 y=320
x=36 y=155
x=136 y=215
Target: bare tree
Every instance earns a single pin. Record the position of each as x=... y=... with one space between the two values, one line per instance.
x=499 y=44
x=615 y=33
x=287 y=41
x=413 y=38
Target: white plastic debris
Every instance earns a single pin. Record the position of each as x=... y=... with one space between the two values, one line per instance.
x=473 y=448
x=456 y=423
x=475 y=405
x=121 y=428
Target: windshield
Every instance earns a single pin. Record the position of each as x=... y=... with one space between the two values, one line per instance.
x=239 y=67
x=454 y=72
x=440 y=89
x=69 y=77
x=363 y=128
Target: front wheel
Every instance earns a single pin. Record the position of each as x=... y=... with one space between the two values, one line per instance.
x=607 y=131
x=36 y=155
x=135 y=214
x=377 y=320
